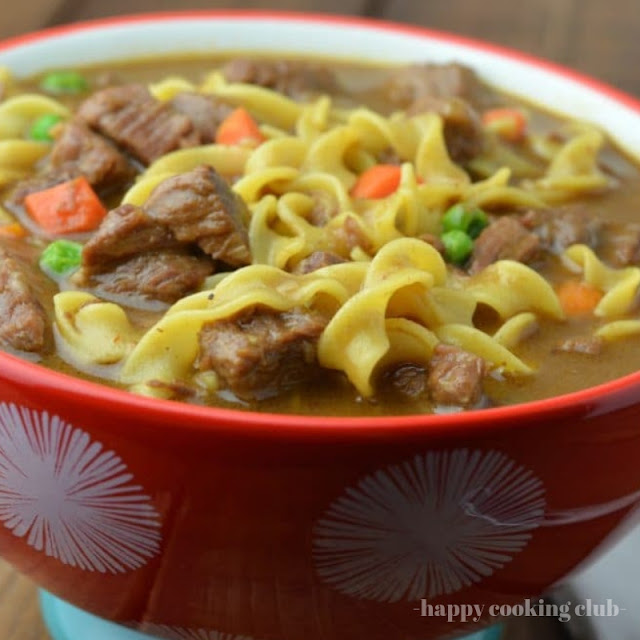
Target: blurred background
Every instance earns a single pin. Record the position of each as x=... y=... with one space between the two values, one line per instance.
x=598 y=37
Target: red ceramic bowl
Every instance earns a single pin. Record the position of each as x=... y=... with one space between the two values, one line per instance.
x=302 y=528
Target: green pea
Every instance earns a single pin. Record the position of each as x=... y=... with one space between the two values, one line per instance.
x=41 y=128
x=60 y=257
x=471 y=221
x=456 y=217
x=478 y=222
x=59 y=82
x=457 y=246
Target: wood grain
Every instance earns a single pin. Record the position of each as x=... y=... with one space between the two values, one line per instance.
x=19 y=610
x=591 y=36
x=595 y=37
x=83 y=9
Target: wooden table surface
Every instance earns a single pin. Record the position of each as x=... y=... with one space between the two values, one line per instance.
x=596 y=37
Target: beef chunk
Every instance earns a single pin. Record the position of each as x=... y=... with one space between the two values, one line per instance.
x=504 y=239
x=295 y=79
x=261 y=353
x=91 y=155
x=200 y=207
x=324 y=208
x=156 y=251
x=78 y=151
x=166 y=276
x=455 y=377
x=23 y=320
x=560 y=228
x=445 y=81
x=137 y=122
x=317 y=260
x=620 y=243
x=124 y=232
x=587 y=345
x=205 y=113
x=408 y=380
x=462 y=126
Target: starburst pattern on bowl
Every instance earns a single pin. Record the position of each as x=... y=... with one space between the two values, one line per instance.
x=180 y=633
x=69 y=497
x=428 y=526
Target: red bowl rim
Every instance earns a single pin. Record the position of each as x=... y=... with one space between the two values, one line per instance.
x=617 y=393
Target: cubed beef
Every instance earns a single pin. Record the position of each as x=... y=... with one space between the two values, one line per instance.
x=560 y=228
x=90 y=155
x=295 y=79
x=416 y=82
x=620 y=243
x=156 y=251
x=262 y=353
x=504 y=239
x=77 y=151
x=324 y=208
x=137 y=122
x=317 y=260
x=462 y=126
x=200 y=207
x=166 y=276
x=585 y=345
x=205 y=113
x=455 y=377
x=124 y=232
x=407 y=380
x=23 y=320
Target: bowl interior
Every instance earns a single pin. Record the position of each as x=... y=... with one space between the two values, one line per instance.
x=338 y=37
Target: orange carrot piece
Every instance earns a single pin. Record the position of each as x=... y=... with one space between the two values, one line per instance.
x=379 y=181
x=508 y=123
x=13 y=230
x=69 y=207
x=578 y=298
x=239 y=128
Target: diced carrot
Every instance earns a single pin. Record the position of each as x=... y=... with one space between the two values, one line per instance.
x=13 y=230
x=379 y=181
x=509 y=123
x=69 y=207
x=239 y=128
x=578 y=298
